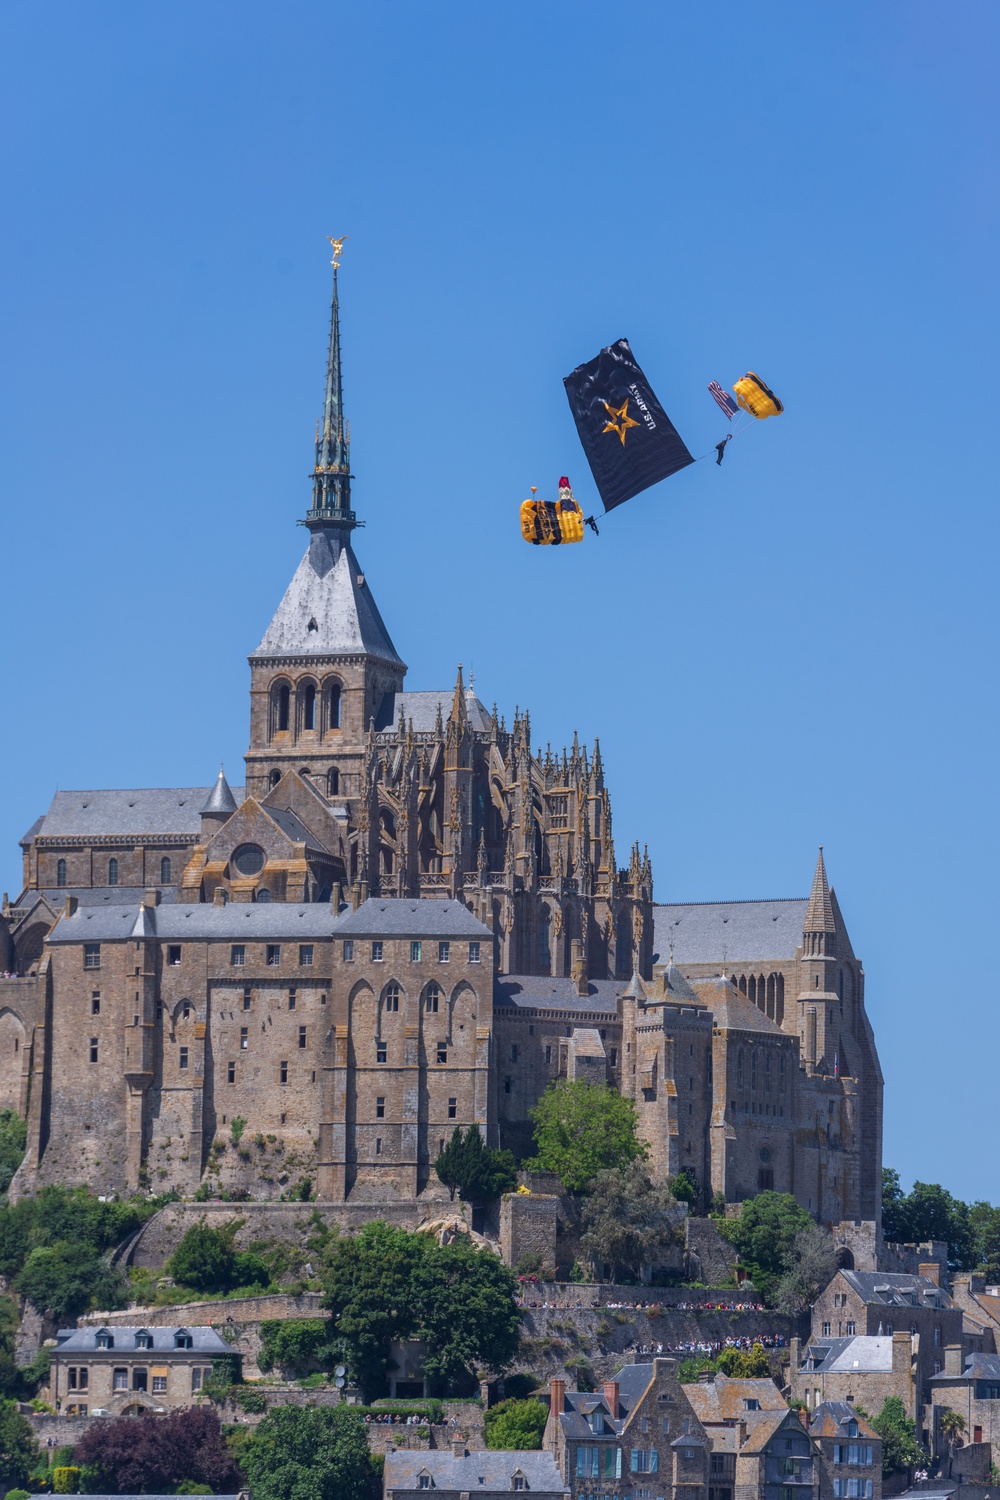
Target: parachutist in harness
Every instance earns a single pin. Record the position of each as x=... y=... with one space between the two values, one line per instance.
x=589 y=521
x=720 y=448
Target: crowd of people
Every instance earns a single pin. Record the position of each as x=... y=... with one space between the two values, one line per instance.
x=712 y=1347
x=656 y=1308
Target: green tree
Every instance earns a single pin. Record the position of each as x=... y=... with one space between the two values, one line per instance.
x=744 y=1364
x=952 y=1426
x=13 y=1139
x=367 y=1283
x=627 y=1222
x=900 y=1450
x=205 y=1259
x=64 y=1280
x=582 y=1129
x=465 y=1307
x=308 y=1453
x=296 y=1344
x=473 y=1169
x=764 y=1236
x=685 y=1187
x=515 y=1424
x=18 y=1449
x=928 y=1212
x=809 y=1266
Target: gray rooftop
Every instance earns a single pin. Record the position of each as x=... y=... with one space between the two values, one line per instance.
x=977 y=1367
x=743 y=931
x=896 y=1289
x=540 y=992
x=327 y=609
x=475 y=1473
x=236 y=922
x=136 y=811
x=383 y=916
x=220 y=798
x=422 y=708
x=865 y=1352
x=96 y=895
x=204 y=1340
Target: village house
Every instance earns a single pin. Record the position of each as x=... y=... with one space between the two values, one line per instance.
x=128 y=1371
x=461 y=1473
x=850 y=1453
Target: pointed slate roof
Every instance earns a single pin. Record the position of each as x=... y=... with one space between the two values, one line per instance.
x=220 y=798
x=328 y=608
x=819 y=912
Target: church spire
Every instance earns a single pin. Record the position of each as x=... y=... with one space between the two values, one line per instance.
x=331 y=503
x=819 y=912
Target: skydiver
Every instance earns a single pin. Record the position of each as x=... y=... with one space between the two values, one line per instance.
x=589 y=521
x=720 y=448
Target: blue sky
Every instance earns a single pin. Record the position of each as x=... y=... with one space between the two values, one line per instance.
x=797 y=648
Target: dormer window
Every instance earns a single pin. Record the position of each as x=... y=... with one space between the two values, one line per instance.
x=183 y=1340
x=852 y=1429
x=519 y=1482
x=750 y=1403
x=597 y=1422
x=424 y=1481
x=105 y=1340
x=143 y=1340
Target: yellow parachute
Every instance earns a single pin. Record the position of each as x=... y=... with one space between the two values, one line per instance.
x=547 y=523
x=754 y=397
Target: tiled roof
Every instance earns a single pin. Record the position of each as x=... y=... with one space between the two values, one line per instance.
x=724 y=1400
x=204 y=1340
x=383 y=916
x=764 y=1428
x=98 y=895
x=743 y=931
x=831 y=1418
x=486 y=1470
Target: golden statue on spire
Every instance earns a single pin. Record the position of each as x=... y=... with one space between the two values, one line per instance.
x=338 y=250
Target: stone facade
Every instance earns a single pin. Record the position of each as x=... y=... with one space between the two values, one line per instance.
x=528 y=1230
x=128 y=1369
x=408 y=919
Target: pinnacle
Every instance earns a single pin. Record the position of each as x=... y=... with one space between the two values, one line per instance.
x=819 y=913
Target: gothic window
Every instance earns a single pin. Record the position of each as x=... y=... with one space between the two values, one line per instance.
x=779 y=998
x=61 y=872
x=544 y=950
x=309 y=706
x=752 y=989
x=333 y=705
x=770 y=996
x=743 y=983
x=164 y=871
x=282 y=707
x=274 y=778
x=112 y=872
x=332 y=782
x=390 y=997
x=264 y=895
x=432 y=998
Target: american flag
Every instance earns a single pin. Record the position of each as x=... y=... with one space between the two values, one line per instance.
x=724 y=400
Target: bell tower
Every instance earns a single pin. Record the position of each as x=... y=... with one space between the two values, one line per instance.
x=326 y=660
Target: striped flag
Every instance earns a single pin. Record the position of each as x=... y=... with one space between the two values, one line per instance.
x=723 y=399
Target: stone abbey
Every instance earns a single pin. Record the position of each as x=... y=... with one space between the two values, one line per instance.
x=406 y=920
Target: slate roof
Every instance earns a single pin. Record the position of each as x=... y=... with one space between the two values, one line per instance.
x=830 y=1420
x=236 y=922
x=633 y=1383
x=136 y=811
x=383 y=916
x=977 y=1367
x=220 y=798
x=204 y=1340
x=328 y=592
x=763 y=1430
x=745 y=931
x=293 y=827
x=422 y=707
x=898 y=1289
x=539 y=992
x=863 y=1352
x=731 y=1008
x=96 y=895
x=487 y=1470
x=722 y=1399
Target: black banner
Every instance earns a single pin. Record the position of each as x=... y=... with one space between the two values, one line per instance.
x=629 y=440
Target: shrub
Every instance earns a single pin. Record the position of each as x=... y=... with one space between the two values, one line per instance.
x=237 y=1125
x=66 y=1479
x=515 y=1424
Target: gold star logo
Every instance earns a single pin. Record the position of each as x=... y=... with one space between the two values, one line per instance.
x=620 y=419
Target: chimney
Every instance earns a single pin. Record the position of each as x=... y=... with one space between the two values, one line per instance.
x=741 y=1434
x=219 y=896
x=70 y=907
x=557 y=1396
x=794 y=1358
x=578 y=968
x=902 y=1349
x=611 y=1389
x=458 y=1448
x=152 y=897
x=336 y=898
x=953 y=1359
x=931 y=1270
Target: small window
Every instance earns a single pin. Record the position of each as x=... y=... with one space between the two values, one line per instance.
x=305 y=955
x=349 y=951
x=415 y=953
x=164 y=871
x=95 y=1005
x=376 y=953
x=174 y=955
x=380 y=1108
x=851 y=1329
x=231 y=1073
x=613 y=1057
x=283 y=1072
x=244 y=1038
x=247 y=997
x=302 y=1036
x=332 y=781
x=380 y=1052
x=91 y=955
x=432 y=999
x=473 y=953
x=548 y=1054
x=195 y=1381
x=309 y=706
x=390 y=1000
x=508 y=1085
x=378 y=1145
x=139 y=1379
x=183 y=1062
x=444 y=953
x=273 y=955
x=121 y=1380
x=292 y=998
x=442 y=1052
x=93 y=1049
x=452 y=1109
x=514 y=1052
x=61 y=872
x=423 y=1481
x=237 y=956
x=112 y=872
x=159 y=1385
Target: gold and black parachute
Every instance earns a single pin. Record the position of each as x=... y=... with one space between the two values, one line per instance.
x=549 y=523
x=755 y=397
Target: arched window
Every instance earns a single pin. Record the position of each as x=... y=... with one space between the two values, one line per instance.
x=274 y=778
x=333 y=705
x=263 y=896
x=61 y=872
x=544 y=948
x=284 y=702
x=332 y=782
x=390 y=997
x=112 y=872
x=752 y=989
x=432 y=998
x=309 y=706
x=164 y=871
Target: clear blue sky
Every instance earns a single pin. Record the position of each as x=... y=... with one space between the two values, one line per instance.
x=797 y=648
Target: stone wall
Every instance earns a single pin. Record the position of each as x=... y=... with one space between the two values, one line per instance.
x=709 y=1258
x=528 y=1229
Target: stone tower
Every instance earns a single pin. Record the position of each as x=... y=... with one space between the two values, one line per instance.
x=326 y=661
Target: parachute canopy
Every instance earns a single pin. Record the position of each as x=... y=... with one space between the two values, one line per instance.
x=754 y=397
x=547 y=523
